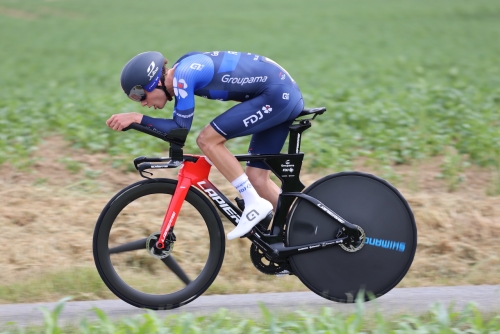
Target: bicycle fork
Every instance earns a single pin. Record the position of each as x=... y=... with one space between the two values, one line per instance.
x=190 y=173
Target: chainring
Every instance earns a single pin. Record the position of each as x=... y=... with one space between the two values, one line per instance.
x=266 y=266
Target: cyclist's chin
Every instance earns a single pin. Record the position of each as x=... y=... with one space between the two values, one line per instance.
x=161 y=106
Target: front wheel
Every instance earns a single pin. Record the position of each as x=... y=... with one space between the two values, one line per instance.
x=384 y=215
x=134 y=273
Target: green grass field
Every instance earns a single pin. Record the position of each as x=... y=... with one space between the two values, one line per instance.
x=402 y=80
x=437 y=320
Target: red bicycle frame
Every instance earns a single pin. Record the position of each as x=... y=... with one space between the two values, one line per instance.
x=190 y=173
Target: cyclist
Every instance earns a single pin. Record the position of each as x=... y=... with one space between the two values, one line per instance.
x=270 y=101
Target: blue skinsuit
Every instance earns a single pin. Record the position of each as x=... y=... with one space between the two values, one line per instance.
x=269 y=97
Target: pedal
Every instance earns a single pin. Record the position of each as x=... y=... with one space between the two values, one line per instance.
x=240 y=203
x=262 y=225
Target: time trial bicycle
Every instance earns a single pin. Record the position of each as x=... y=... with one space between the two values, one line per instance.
x=346 y=234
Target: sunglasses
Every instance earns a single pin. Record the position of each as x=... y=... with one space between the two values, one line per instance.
x=137 y=93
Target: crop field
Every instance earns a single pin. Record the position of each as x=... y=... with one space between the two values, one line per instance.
x=412 y=90
x=402 y=80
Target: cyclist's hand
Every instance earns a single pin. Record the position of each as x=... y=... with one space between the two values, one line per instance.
x=120 y=121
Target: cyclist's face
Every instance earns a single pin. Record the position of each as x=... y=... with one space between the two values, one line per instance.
x=155 y=98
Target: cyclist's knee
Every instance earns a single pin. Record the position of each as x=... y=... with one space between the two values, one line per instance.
x=208 y=138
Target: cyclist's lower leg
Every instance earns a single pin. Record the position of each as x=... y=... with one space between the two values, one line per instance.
x=261 y=181
x=211 y=144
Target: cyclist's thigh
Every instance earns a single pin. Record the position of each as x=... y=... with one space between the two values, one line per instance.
x=276 y=105
x=269 y=141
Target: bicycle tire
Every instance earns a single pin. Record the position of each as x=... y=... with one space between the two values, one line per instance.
x=109 y=271
x=391 y=237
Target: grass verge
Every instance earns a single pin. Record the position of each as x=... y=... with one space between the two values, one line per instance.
x=437 y=320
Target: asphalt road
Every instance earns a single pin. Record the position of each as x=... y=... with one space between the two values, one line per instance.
x=402 y=300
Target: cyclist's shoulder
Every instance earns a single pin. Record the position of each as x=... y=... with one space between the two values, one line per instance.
x=195 y=69
x=194 y=64
x=193 y=57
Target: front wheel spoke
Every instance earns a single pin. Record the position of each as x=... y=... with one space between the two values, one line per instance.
x=130 y=246
x=176 y=269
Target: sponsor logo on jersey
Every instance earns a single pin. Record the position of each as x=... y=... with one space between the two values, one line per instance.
x=196 y=66
x=286 y=96
x=185 y=116
x=242 y=81
x=258 y=115
x=179 y=88
x=267 y=109
x=282 y=76
x=268 y=60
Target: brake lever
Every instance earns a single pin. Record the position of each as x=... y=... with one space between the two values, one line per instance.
x=144 y=176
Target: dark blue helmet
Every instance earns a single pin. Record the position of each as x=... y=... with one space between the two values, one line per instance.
x=141 y=73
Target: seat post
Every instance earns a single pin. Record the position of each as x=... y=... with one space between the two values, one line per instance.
x=296 y=135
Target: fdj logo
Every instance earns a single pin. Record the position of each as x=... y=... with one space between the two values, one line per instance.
x=152 y=70
x=258 y=115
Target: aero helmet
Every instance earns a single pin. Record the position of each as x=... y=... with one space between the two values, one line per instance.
x=143 y=73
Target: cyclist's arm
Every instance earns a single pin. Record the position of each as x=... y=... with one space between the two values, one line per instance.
x=161 y=124
x=191 y=73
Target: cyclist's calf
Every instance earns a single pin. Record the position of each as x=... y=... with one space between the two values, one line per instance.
x=261 y=181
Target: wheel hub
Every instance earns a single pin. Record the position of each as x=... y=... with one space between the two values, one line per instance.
x=355 y=240
x=160 y=253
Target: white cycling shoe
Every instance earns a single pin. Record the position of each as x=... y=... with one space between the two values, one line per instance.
x=250 y=217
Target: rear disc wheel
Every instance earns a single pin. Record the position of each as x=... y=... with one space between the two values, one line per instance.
x=386 y=219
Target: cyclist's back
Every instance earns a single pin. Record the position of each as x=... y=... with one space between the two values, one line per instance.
x=225 y=75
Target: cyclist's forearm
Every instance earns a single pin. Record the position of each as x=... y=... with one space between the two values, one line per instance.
x=161 y=124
